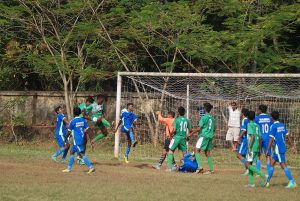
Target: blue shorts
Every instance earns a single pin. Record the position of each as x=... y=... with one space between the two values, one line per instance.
x=265 y=144
x=279 y=157
x=242 y=148
x=78 y=148
x=126 y=132
x=61 y=141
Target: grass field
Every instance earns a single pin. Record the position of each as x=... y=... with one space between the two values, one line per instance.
x=28 y=173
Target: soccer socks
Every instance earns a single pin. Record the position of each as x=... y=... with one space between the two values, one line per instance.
x=170 y=160
x=243 y=160
x=268 y=166
x=270 y=172
x=198 y=159
x=59 y=152
x=65 y=154
x=210 y=163
x=127 y=151
x=162 y=158
x=71 y=161
x=87 y=162
x=256 y=171
x=258 y=164
x=98 y=137
x=131 y=135
x=251 y=177
x=288 y=174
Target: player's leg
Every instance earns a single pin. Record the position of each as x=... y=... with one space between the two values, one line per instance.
x=60 y=142
x=198 y=156
x=67 y=147
x=265 y=144
x=229 y=137
x=71 y=160
x=101 y=133
x=80 y=161
x=287 y=171
x=127 y=151
x=87 y=162
x=172 y=147
x=209 y=161
x=132 y=137
x=163 y=156
x=253 y=170
x=241 y=155
x=236 y=133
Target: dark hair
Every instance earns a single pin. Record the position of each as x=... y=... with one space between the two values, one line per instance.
x=57 y=109
x=89 y=99
x=171 y=113
x=100 y=96
x=245 y=112
x=275 y=115
x=251 y=115
x=208 y=107
x=128 y=104
x=76 y=111
x=181 y=111
x=263 y=108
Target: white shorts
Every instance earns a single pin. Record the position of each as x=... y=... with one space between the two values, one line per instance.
x=233 y=134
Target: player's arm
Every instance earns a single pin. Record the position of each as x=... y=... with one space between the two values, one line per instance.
x=66 y=122
x=260 y=146
x=118 y=125
x=194 y=131
x=293 y=146
x=251 y=144
x=161 y=118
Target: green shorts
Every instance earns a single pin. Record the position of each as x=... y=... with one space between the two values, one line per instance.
x=103 y=124
x=253 y=157
x=204 y=143
x=178 y=142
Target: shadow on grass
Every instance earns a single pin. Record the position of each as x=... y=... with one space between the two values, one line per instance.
x=106 y=164
x=142 y=166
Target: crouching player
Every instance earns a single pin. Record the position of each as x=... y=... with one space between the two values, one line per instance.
x=78 y=127
x=243 y=143
x=60 y=134
x=278 y=133
x=128 y=119
x=188 y=164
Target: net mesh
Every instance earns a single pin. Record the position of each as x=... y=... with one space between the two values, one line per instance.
x=156 y=93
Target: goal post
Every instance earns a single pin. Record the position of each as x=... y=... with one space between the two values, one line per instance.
x=151 y=91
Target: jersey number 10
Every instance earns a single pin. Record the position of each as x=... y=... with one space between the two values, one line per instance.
x=183 y=126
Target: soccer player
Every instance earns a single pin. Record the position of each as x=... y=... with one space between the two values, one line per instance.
x=278 y=134
x=233 y=125
x=98 y=117
x=181 y=126
x=264 y=121
x=78 y=128
x=188 y=164
x=60 y=134
x=243 y=143
x=206 y=131
x=128 y=119
x=169 y=122
x=254 y=149
x=86 y=107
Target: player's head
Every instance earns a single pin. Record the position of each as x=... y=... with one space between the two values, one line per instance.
x=100 y=98
x=207 y=107
x=251 y=115
x=262 y=109
x=245 y=112
x=76 y=111
x=59 y=110
x=275 y=115
x=89 y=100
x=181 y=111
x=233 y=105
x=171 y=114
x=130 y=107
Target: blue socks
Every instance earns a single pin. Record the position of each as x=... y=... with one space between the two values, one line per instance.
x=268 y=166
x=131 y=135
x=243 y=160
x=288 y=174
x=258 y=165
x=71 y=161
x=59 y=152
x=65 y=154
x=127 y=151
x=270 y=173
x=87 y=162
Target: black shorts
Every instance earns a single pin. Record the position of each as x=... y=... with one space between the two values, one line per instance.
x=167 y=144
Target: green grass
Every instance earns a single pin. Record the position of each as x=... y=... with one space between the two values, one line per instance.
x=27 y=173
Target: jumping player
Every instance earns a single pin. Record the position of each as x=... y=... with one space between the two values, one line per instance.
x=86 y=107
x=60 y=134
x=243 y=143
x=278 y=134
x=78 y=128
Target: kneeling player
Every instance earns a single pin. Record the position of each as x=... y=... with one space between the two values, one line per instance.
x=78 y=127
x=188 y=164
x=206 y=131
x=277 y=134
x=128 y=119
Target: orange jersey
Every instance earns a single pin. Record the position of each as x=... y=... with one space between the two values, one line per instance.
x=169 y=124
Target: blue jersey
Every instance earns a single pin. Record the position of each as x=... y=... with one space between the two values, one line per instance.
x=60 y=126
x=188 y=164
x=278 y=132
x=127 y=119
x=264 y=121
x=244 y=125
x=78 y=126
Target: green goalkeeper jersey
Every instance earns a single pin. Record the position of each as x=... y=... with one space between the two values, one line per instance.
x=87 y=109
x=207 y=124
x=253 y=129
x=181 y=124
x=98 y=110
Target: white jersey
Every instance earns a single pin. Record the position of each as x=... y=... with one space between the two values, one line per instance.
x=234 y=117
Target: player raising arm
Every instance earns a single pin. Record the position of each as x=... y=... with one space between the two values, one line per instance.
x=78 y=128
x=277 y=136
x=206 y=131
x=60 y=134
x=128 y=119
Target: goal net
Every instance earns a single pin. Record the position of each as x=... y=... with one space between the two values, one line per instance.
x=151 y=92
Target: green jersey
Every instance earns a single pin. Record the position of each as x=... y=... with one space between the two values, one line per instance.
x=98 y=110
x=87 y=109
x=253 y=129
x=181 y=124
x=207 y=124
